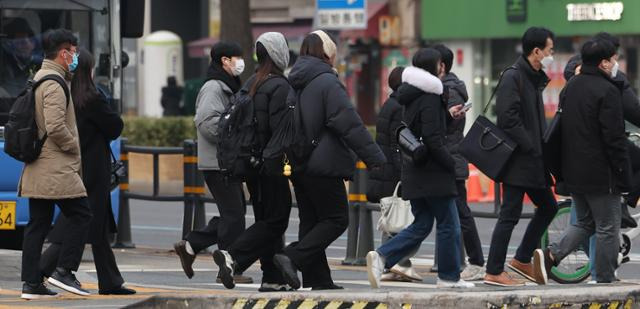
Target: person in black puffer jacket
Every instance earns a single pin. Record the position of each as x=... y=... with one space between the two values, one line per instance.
x=269 y=190
x=381 y=183
x=331 y=119
x=430 y=186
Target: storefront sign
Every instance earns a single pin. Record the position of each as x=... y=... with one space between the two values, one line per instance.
x=516 y=11
x=595 y=11
x=341 y=14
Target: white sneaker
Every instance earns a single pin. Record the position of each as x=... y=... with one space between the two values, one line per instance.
x=407 y=272
x=375 y=267
x=460 y=284
x=472 y=273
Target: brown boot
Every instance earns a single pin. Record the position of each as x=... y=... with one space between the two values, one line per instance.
x=503 y=279
x=525 y=270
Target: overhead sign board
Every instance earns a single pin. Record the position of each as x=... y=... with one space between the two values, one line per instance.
x=594 y=11
x=341 y=14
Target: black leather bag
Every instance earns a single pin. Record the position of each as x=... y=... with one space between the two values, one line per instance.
x=411 y=147
x=486 y=146
x=117 y=171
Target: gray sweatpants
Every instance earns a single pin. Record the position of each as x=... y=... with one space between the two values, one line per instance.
x=599 y=213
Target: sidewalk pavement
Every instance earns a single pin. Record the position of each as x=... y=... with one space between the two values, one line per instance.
x=158 y=278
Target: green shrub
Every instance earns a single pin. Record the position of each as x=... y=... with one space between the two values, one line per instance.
x=166 y=131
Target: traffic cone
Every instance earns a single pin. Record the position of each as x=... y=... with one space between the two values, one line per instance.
x=491 y=193
x=474 y=188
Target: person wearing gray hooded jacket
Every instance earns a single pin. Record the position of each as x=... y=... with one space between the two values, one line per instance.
x=222 y=82
x=269 y=189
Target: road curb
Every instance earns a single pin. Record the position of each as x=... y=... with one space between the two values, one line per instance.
x=578 y=296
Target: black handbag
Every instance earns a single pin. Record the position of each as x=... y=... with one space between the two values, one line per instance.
x=486 y=146
x=411 y=147
x=117 y=171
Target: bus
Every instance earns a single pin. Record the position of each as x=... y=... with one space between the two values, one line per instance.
x=100 y=26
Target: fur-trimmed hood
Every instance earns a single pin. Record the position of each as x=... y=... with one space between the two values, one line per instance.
x=415 y=83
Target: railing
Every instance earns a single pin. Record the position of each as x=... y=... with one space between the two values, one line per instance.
x=360 y=232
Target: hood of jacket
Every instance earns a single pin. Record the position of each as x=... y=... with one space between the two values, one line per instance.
x=306 y=69
x=452 y=81
x=416 y=82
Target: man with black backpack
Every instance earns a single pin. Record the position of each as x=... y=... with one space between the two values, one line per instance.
x=53 y=177
x=213 y=99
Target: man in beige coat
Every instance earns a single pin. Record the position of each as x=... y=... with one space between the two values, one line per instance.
x=54 y=178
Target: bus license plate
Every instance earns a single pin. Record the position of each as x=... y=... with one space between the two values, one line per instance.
x=7 y=215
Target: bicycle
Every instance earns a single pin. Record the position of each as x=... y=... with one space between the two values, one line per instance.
x=576 y=267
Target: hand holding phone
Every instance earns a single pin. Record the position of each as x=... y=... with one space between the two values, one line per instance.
x=467 y=106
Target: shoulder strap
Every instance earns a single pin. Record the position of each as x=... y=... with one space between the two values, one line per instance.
x=59 y=80
x=513 y=67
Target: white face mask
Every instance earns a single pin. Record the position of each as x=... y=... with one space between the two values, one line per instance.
x=238 y=68
x=546 y=61
x=614 y=69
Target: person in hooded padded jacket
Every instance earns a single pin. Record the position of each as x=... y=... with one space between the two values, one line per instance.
x=429 y=183
x=269 y=190
x=330 y=119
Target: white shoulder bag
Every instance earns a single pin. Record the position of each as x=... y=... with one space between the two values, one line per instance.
x=395 y=213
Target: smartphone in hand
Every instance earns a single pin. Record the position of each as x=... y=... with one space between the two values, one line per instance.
x=467 y=106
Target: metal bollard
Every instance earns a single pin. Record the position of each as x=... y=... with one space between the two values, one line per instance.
x=199 y=214
x=123 y=238
x=360 y=231
x=190 y=162
x=352 y=230
x=365 y=236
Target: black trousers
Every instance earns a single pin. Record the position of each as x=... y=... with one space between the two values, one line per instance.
x=510 y=215
x=472 y=244
x=40 y=216
x=223 y=230
x=109 y=276
x=323 y=211
x=271 y=199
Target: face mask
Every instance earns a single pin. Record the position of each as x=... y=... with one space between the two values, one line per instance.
x=239 y=68
x=546 y=61
x=74 y=63
x=614 y=69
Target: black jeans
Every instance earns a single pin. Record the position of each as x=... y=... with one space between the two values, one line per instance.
x=322 y=206
x=78 y=214
x=271 y=198
x=510 y=215
x=470 y=235
x=223 y=230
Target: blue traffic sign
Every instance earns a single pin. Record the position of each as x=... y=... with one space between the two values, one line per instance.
x=340 y=4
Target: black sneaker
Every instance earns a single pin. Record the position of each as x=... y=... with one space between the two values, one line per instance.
x=288 y=270
x=274 y=287
x=36 y=291
x=67 y=281
x=225 y=264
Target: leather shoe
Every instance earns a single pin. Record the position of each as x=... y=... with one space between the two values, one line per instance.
x=186 y=259
x=332 y=286
x=118 y=291
x=288 y=270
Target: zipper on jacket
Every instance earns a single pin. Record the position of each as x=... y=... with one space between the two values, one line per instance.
x=610 y=181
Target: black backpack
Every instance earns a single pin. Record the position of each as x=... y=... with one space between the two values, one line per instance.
x=238 y=149
x=290 y=141
x=21 y=132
